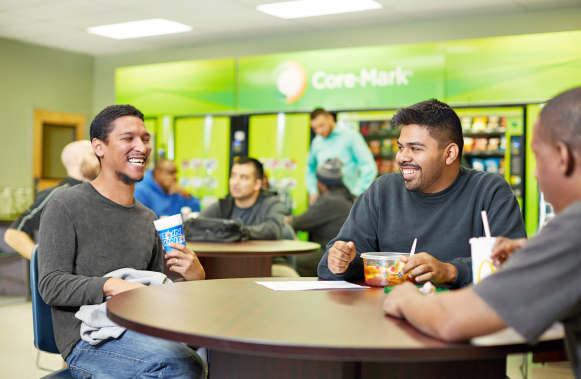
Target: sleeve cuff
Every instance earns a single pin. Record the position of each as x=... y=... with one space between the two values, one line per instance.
x=464 y=275
x=95 y=289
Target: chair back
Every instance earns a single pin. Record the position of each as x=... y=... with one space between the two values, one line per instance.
x=41 y=312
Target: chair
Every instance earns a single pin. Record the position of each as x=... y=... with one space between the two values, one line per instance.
x=42 y=321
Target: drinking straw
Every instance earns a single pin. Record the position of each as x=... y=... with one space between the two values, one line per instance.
x=414 y=247
x=486 y=226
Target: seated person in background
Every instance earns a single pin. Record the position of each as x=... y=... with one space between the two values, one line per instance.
x=432 y=199
x=538 y=284
x=324 y=219
x=92 y=229
x=82 y=166
x=160 y=191
x=258 y=210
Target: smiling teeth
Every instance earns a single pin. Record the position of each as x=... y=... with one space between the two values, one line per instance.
x=136 y=161
x=409 y=172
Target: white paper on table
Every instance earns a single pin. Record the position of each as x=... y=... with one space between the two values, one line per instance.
x=308 y=285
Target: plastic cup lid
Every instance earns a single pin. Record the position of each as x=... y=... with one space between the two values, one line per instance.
x=383 y=255
x=168 y=222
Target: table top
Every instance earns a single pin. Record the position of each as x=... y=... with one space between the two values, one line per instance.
x=242 y=316
x=252 y=248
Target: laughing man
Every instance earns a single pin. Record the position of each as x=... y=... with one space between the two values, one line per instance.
x=92 y=229
x=432 y=199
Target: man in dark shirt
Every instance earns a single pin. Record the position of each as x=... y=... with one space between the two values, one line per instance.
x=540 y=283
x=82 y=166
x=259 y=210
x=324 y=219
x=90 y=230
x=432 y=199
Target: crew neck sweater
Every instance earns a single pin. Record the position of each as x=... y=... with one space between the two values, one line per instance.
x=83 y=236
x=387 y=217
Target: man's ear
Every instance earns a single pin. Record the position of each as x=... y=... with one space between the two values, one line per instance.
x=258 y=184
x=98 y=147
x=566 y=159
x=452 y=153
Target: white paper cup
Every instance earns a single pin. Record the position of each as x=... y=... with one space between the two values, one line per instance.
x=482 y=265
x=170 y=229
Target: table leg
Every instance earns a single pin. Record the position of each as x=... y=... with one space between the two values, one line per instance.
x=236 y=267
x=224 y=365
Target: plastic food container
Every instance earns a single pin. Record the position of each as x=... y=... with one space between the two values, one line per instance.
x=384 y=269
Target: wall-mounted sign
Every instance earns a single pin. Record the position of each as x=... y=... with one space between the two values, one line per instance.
x=366 y=77
x=178 y=88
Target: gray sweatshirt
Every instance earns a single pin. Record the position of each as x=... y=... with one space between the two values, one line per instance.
x=387 y=217
x=83 y=236
x=264 y=220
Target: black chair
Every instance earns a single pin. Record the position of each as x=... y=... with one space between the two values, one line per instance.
x=42 y=321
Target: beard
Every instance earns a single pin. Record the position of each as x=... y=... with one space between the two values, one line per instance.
x=424 y=180
x=89 y=172
x=126 y=179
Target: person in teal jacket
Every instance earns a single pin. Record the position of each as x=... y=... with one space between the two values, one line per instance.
x=160 y=192
x=335 y=141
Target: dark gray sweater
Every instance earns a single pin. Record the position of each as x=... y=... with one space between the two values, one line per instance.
x=83 y=236
x=387 y=217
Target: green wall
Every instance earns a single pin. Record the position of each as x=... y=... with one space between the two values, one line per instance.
x=36 y=77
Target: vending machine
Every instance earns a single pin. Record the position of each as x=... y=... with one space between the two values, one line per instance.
x=202 y=155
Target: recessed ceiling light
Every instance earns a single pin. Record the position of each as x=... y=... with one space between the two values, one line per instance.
x=137 y=29
x=310 y=8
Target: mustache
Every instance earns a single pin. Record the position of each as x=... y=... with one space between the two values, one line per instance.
x=409 y=165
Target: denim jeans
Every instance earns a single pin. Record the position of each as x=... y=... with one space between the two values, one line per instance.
x=134 y=355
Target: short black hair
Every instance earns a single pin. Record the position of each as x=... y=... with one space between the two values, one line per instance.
x=102 y=124
x=317 y=112
x=439 y=118
x=561 y=119
x=258 y=169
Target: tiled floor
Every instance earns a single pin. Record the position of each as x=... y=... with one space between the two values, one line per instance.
x=18 y=354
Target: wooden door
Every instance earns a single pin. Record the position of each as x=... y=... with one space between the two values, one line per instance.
x=52 y=131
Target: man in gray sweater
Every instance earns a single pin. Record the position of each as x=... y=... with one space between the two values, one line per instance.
x=432 y=199
x=259 y=211
x=92 y=229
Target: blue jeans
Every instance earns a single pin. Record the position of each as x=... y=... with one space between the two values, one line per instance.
x=134 y=355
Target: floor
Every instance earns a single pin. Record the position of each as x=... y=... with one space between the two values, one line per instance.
x=18 y=354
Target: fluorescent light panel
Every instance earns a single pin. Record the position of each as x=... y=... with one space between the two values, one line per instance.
x=137 y=29
x=310 y=8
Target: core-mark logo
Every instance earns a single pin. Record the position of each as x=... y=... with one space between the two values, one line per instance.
x=291 y=80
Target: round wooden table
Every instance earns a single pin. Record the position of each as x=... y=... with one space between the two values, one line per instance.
x=255 y=332
x=250 y=259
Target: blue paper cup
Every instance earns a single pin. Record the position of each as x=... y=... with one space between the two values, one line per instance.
x=170 y=229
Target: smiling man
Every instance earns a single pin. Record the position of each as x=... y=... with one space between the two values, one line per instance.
x=260 y=211
x=432 y=199
x=540 y=283
x=93 y=229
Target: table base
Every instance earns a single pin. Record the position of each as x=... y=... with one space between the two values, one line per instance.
x=236 y=267
x=224 y=365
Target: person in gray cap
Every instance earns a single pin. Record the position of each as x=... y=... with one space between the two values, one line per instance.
x=324 y=219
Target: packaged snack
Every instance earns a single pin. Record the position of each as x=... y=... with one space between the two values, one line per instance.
x=466 y=123
x=394 y=146
x=503 y=122
x=493 y=144
x=386 y=125
x=478 y=164
x=493 y=122
x=479 y=124
x=502 y=145
x=492 y=165
x=501 y=167
x=375 y=146
x=364 y=128
x=468 y=144
x=374 y=127
x=480 y=144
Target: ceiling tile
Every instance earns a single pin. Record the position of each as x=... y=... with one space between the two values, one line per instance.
x=11 y=4
x=63 y=8
x=33 y=28
x=170 y=9
x=7 y=18
x=547 y=4
x=102 y=18
x=232 y=20
x=356 y=19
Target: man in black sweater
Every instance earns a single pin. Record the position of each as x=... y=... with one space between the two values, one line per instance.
x=324 y=218
x=432 y=199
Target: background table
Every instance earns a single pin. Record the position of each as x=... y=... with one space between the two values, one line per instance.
x=250 y=259
x=254 y=332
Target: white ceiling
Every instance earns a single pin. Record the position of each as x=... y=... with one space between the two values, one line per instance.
x=62 y=23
